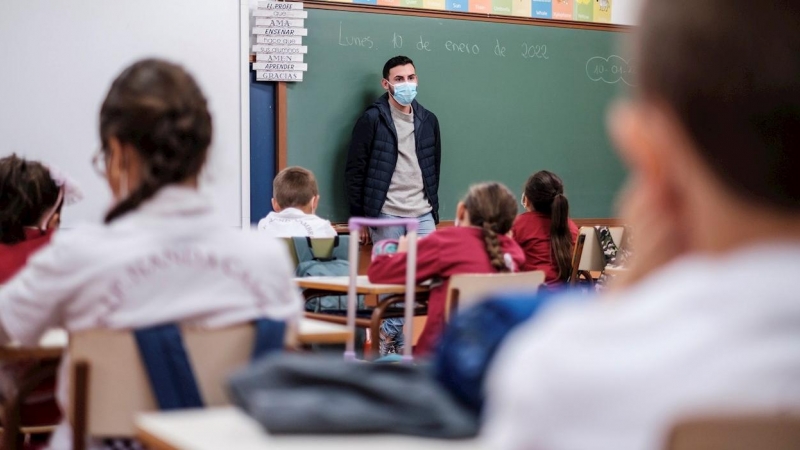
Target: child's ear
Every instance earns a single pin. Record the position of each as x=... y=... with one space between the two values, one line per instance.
x=461 y=214
x=275 y=206
x=315 y=203
x=54 y=222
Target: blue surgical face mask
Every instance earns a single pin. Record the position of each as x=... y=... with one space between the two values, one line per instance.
x=404 y=93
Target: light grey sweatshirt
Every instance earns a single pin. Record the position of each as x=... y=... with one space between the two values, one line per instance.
x=406 y=196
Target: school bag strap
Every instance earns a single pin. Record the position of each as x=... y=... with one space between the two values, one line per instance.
x=170 y=371
x=269 y=337
x=322 y=249
x=168 y=368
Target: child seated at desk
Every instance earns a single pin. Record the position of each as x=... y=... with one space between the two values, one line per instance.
x=544 y=231
x=478 y=243
x=295 y=198
x=706 y=320
x=162 y=255
x=31 y=198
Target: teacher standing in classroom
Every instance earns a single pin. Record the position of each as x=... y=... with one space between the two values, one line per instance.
x=394 y=157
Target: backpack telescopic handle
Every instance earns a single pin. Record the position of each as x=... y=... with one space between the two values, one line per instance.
x=355 y=224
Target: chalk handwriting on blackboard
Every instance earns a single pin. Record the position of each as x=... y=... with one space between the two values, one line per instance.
x=499 y=50
x=423 y=44
x=534 y=51
x=537 y=51
x=354 y=41
x=462 y=47
x=610 y=70
x=397 y=41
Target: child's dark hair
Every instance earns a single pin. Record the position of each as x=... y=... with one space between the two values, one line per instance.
x=492 y=207
x=545 y=192
x=394 y=62
x=158 y=108
x=27 y=191
x=294 y=187
x=730 y=74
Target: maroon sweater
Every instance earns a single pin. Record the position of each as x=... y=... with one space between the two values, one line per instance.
x=445 y=252
x=14 y=257
x=532 y=233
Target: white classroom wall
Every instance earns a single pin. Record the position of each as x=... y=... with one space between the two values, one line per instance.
x=57 y=61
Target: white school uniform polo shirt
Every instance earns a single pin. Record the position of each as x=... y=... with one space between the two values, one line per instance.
x=292 y=222
x=705 y=335
x=171 y=260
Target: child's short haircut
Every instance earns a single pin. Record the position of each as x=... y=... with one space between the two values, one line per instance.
x=730 y=72
x=294 y=187
x=27 y=191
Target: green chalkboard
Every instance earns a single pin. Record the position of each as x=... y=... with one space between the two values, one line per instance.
x=511 y=99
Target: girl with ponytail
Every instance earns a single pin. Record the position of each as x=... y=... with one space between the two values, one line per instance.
x=478 y=243
x=162 y=254
x=544 y=231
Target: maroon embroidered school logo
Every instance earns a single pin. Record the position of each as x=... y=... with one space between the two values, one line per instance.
x=203 y=264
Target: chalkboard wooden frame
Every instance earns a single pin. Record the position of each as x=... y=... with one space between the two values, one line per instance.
x=281 y=107
x=441 y=14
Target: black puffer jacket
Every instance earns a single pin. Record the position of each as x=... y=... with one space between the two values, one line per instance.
x=372 y=157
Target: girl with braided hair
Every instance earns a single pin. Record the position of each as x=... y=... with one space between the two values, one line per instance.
x=162 y=255
x=478 y=243
x=545 y=231
x=31 y=198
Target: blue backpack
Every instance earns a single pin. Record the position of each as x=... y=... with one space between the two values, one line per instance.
x=471 y=340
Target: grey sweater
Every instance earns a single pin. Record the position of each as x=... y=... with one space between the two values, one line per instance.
x=406 y=196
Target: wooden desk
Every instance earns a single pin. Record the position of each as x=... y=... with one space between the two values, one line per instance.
x=614 y=271
x=51 y=345
x=313 y=331
x=218 y=428
x=339 y=285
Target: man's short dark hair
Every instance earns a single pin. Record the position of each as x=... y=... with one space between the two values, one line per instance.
x=730 y=72
x=294 y=187
x=394 y=62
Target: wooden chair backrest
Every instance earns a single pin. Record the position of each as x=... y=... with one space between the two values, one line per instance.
x=779 y=432
x=292 y=252
x=588 y=255
x=321 y=248
x=117 y=388
x=469 y=289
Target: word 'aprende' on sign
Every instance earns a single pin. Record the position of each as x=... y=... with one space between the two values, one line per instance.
x=267 y=75
x=290 y=66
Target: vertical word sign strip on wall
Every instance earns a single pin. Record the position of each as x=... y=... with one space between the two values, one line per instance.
x=279 y=27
